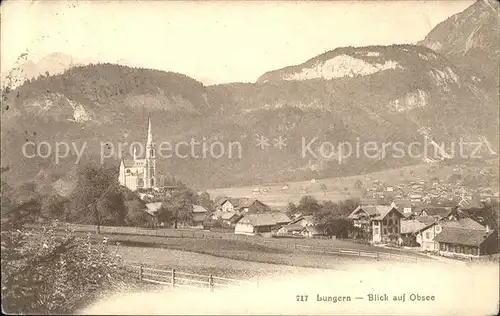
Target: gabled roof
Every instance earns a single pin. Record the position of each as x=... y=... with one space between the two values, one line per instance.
x=465 y=223
x=280 y=217
x=199 y=209
x=293 y=227
x=427 y=220
x=384 y=210
x=433 y=210
x=308 y=218
x=224 y=215
x=377 y=212
x=462 y=236
x=246 y=202
x=402 y=203
x=259 y=219
x=266 y=219
x=411 y=226
x=370 y=210
x=470 y=224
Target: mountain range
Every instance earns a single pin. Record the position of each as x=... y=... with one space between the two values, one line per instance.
x=443 y=88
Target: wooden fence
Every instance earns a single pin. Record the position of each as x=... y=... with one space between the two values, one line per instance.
x=263 y=241
x=176 y=278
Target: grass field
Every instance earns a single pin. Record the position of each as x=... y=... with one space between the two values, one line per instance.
x=185 y=254
x=340 y=188
x=200 y=263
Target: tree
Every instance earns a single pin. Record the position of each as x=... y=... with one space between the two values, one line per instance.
x=45 y=273
x=308 y=205
x=97 y=198
x=204 y=200
x=136 y=213
x=16 y=212
x=291 y=209
x=53 y=206
x=178 y=208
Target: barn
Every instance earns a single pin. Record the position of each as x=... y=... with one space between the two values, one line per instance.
x=260 y=224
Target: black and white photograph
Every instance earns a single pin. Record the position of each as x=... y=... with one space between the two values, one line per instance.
x=250 y=157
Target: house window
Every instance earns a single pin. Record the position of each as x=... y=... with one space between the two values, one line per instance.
x=466 y=250
x=442 y=247
x=128 y=170
x=390 y=222
x=438 y=228
x=474 y=251
x=428 y=235
x=385 y=231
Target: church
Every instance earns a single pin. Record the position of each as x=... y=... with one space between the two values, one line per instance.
x=140 y=173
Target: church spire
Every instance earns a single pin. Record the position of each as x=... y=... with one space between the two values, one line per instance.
x=150 y=134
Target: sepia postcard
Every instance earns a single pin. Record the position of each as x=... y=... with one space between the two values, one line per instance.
x=250 y=157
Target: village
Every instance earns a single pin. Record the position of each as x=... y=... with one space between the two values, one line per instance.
x=442 y=216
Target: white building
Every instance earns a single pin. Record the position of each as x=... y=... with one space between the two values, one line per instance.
x=137 y=173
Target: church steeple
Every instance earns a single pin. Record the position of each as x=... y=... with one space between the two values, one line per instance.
x=150 y=134
x=150 y=168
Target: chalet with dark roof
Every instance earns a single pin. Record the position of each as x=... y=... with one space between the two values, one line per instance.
x=462 y=242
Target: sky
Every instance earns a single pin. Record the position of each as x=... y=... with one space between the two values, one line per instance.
x=214 y=42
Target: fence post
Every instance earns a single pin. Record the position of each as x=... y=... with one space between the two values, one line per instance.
x=359 y=253
x=173 y=277
x=378 y=255
x=390 y=255
x=211 y=282
x=140 y=272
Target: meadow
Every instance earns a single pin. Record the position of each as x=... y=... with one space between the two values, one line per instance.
x=339 y=188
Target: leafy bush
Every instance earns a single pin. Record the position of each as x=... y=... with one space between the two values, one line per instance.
x=43 y=272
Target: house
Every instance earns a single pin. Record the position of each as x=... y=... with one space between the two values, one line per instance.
x=315 y=231
x=409 y=231
x=242 y=205
x=426 y=236
x=251 y=206
x=227 y=204
x=260 y=224
x=386 y=224
x=361 y=217
x=199 y=215
x=403 y=205
x=462 y=242
x=297 y=226
x=304 y=221
x=226 y=218
x=438 y=212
